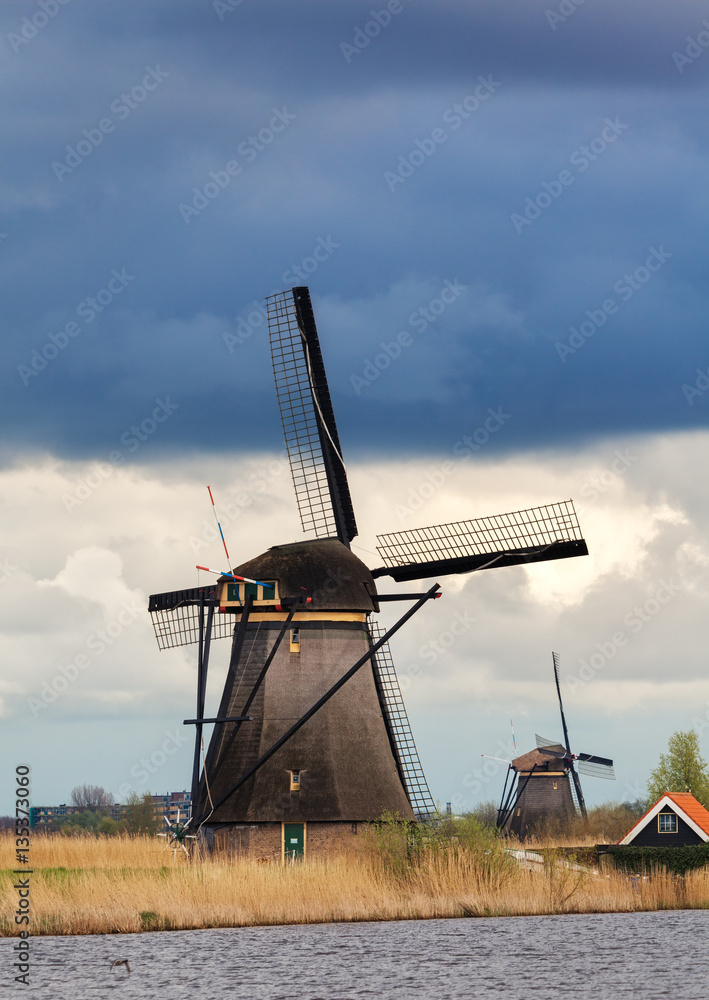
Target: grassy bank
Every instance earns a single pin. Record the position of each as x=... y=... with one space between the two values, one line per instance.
x=116 y=885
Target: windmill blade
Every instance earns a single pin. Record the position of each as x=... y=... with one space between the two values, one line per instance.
x=579 y=793
x=523 y=536
x=555 y=659
x=398 y=728
x=597 y=770
x=175 y=616
x=592 y=758
x=318 y=471
x=542 y=743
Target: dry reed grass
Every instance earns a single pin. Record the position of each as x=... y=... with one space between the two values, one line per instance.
x=116 y=885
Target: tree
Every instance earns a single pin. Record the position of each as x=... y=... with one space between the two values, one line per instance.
x=681 y=769
x=84 y=822
x=140 y=815
x=91 y=797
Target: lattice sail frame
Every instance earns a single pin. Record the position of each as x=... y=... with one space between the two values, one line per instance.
x=518 y=530
x=399 y=729
x=175 y=617
x=585 y=763
x=317 y=468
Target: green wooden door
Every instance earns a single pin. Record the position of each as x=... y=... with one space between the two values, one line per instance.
x=293 y=841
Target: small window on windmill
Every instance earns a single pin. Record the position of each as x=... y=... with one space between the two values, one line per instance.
x=555 y=786
x=295 y=640
x=295 y=781
x=233 y=595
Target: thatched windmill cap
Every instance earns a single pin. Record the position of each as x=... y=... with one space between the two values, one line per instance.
x=326 y=570
x=543 y=761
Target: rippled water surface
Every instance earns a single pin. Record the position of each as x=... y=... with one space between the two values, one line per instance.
x=609 y=956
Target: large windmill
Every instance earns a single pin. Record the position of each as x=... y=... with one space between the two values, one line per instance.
x=311 y=736
x=545 y=782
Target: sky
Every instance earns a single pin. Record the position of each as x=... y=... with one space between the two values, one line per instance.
x=500 y=208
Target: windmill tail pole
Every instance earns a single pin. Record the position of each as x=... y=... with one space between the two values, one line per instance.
x=326 y=697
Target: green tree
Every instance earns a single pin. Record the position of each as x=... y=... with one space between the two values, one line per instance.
x=109 y=827
x=140 y=815
x=681 y=769
x=83 y=822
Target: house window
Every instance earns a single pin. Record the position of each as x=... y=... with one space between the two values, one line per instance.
x=667 y=823
x=295 y=781
x=295 y=640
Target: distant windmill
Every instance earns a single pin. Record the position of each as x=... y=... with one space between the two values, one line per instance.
x=304 y=747
x=545 y=781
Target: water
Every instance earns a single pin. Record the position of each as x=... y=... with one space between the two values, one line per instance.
x=604 y=956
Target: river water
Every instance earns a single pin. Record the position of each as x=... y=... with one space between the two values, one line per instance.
x=603 y=956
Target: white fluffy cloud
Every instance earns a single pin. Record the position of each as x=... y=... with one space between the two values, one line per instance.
x=628 y=620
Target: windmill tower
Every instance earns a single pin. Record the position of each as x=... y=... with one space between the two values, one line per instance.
x=545 y=782
x=311 y=736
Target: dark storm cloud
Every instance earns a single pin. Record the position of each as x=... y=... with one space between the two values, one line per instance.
x=580 y=153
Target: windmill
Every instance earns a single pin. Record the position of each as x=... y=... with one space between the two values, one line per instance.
x=302 y=746
x=545 y=782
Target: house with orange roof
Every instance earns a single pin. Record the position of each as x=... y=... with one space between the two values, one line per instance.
x=675 y=820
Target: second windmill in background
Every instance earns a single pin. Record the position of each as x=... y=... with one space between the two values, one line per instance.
x=545 y=782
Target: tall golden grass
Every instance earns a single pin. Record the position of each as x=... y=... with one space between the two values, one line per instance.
x=92 y=885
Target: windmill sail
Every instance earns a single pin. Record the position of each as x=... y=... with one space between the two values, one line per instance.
x=604 y=770
x=175 y=616
x=533 y=535
x=313 y=445
x=399 y=729
x=555 y=659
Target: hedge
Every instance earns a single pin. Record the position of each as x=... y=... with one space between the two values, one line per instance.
x=643 y=859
